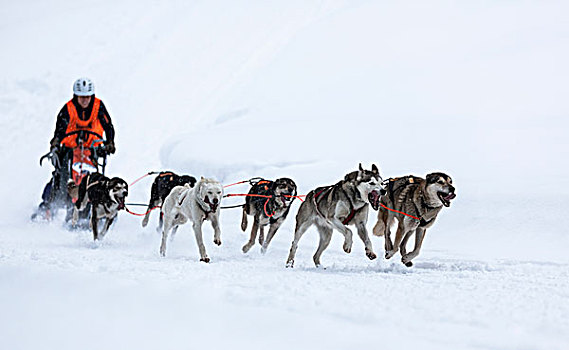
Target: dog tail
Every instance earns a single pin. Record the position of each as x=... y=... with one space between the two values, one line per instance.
x=379 y=228
x=381 y=225
x=244 y=220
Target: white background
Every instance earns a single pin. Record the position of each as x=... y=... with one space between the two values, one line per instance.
x=307 y=90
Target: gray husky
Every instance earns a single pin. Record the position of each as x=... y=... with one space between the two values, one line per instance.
x=196 y=204
x=415 y=203
x=335 y=207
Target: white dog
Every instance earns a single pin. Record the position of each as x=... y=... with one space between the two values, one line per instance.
x=197 y=204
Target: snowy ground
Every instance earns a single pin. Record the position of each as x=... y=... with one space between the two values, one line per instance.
x=307 y=90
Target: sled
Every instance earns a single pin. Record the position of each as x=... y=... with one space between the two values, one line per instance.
x=61 y=191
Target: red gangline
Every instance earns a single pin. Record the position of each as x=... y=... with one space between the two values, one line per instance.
x=265 y=208
x=142 y=177
x=137 y=214
x=237 y=183
x=400 y=212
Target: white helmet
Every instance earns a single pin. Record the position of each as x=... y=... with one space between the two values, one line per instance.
x=83 y=87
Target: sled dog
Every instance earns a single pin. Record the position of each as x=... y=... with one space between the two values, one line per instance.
x=161 y=187
x=107 y=197
x=421 y=198
x=265 y=211
x=195 y=204
x=336 y=207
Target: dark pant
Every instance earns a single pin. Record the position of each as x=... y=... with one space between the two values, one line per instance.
x=55 y=191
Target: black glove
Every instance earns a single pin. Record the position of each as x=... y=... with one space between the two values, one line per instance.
x=54 y=143
x=110 y=147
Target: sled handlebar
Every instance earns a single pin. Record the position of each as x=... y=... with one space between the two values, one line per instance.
x=99 y=151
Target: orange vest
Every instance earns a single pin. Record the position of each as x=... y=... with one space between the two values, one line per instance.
x=76 y=124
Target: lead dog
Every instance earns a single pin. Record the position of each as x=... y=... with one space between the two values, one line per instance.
x=335 y=207
x=265 y=211
x=107 y=197
x=421 y=198
x=196 y=204
x=161 y=187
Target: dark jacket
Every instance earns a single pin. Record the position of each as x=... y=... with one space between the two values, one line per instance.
x=84 y=114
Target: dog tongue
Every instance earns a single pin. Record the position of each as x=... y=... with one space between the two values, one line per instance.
x=450 y=197
x=374 y=197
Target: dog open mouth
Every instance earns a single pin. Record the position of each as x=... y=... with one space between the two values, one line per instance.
x=212 y=206
x=120 y=202
x=446 y=198
x=374 y=197
x=285 y=198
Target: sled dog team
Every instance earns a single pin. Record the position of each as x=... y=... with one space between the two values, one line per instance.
x=411 y=202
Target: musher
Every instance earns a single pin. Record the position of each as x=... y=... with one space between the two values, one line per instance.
x=81 y=123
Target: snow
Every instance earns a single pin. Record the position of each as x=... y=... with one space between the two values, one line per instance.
x=306 y=90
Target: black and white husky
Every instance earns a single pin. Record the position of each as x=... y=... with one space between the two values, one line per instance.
x=107 y=197
x=270 y=211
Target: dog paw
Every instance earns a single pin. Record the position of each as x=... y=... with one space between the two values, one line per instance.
x=406 y=260
x=389 y=254
x=263 y=250
x=205 y=260
x=246 y=248
x=371 y=255
x=290 y=264
x=217 y=241
x=347 y=248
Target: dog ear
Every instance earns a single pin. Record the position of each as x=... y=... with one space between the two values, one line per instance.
x=360 y=173
x=432 y=178
x=374 y=169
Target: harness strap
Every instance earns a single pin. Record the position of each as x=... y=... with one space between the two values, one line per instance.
x=92 y=184
x=352 y=210
x=424 y=222
x=326 y=189
x=316 y=203
x=182 y=198
x=409 y=179
x=265 y=209
x=207 y=210
x=400 y=212
x=350 y=217
x=89 y=185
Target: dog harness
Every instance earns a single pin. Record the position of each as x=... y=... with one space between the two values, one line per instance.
x=328 y=189
x=265 y=189
x=409 y=180
x=76 y=124
x=167 y=173
x=423 y=222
